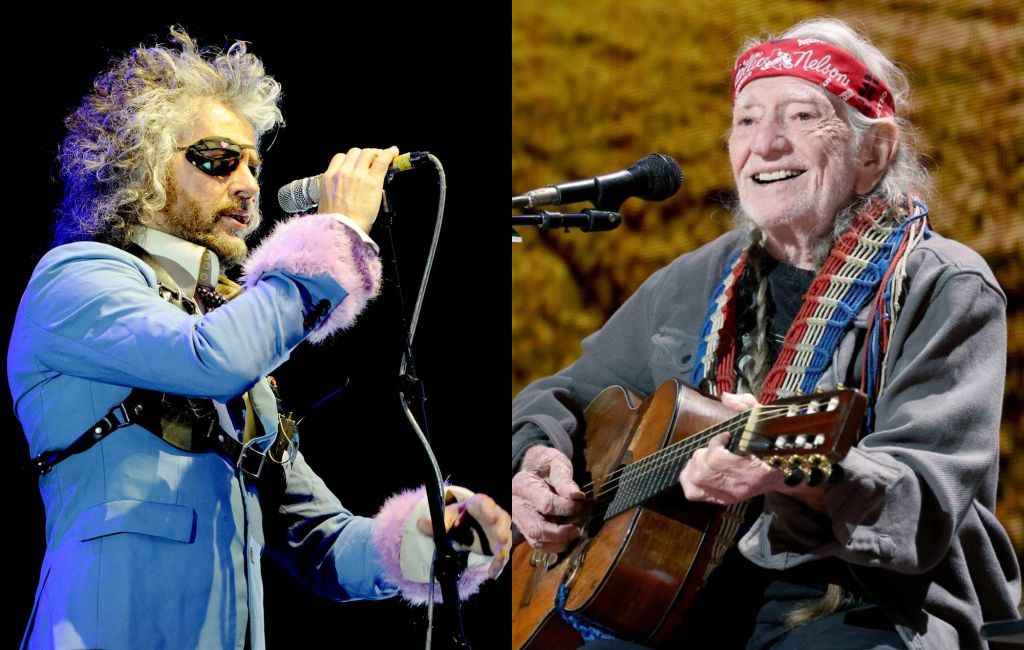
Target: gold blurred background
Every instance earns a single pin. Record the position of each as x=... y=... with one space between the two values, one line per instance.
x=598 y=84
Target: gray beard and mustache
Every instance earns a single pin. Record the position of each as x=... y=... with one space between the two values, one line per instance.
x=187 y=220
x=842 y=220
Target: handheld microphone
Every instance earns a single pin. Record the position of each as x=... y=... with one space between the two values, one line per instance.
x=303 y=194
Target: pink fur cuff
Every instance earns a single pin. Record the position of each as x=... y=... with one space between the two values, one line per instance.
x=313 y=245
x=391 y=525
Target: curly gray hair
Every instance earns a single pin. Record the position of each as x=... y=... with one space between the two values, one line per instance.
x=114 y=159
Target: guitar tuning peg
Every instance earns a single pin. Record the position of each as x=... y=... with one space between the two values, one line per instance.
x=790 y=470
x=796 y=472
x=840 y=386
x=809 y=466
x=815 y=477
x=819 y=390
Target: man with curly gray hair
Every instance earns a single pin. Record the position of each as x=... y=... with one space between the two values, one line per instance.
x=832 y=277
x=138 y=371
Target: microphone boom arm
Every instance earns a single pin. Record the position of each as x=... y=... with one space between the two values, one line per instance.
x=589 y=220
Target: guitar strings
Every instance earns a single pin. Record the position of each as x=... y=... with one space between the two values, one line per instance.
x=669 y=455
x=661 y=461
x=689 y=444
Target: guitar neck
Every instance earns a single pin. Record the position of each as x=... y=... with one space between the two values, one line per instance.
x=808 y=433
x=655 y=474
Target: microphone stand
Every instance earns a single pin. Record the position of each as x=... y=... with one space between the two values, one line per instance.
x=448 y=564
x=589 y=220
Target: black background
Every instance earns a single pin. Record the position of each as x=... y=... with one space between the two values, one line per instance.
x=402 y=77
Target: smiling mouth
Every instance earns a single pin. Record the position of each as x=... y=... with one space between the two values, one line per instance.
x=767 y=178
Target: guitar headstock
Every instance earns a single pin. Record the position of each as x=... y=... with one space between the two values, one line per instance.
x=804 y=435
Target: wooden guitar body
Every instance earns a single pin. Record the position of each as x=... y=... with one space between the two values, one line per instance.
x=640 y=570
x=645 y=550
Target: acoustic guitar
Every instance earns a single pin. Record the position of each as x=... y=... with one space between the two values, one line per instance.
x=645 y=550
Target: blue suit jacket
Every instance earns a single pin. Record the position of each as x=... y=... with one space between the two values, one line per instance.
x=147 y=545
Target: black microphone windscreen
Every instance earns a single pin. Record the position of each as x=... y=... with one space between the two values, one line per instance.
x=663 y=176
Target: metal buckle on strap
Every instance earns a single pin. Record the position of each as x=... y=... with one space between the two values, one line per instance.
x=245 y=460
x=41 y=464
x=126 y=417
x=109 y=422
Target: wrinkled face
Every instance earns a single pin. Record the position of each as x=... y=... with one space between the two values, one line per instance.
x=792 y=156
x=216 y=212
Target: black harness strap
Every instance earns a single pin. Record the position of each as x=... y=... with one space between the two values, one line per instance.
x=185 y=423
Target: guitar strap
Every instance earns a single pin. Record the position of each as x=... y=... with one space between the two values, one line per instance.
x=867 y=262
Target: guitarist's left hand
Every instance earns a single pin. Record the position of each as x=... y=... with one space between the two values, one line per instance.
x=716 y=475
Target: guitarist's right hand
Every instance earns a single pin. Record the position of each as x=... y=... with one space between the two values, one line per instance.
x=543 y=496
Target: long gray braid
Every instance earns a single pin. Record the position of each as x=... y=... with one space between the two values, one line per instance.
x=758 y=351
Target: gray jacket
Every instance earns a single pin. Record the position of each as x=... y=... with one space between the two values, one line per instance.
x=914 y=517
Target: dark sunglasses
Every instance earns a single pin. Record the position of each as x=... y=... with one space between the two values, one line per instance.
x=217 y=156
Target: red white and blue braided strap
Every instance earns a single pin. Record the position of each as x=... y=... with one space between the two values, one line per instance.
x=870 y=253
x=719 y=332
x=886 y=306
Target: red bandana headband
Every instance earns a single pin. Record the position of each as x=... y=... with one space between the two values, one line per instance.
x=831 y=67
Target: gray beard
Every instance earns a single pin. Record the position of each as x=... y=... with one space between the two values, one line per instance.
x=840 y=224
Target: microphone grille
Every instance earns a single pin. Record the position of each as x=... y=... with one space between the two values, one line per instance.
x=286 y=197
x=664 y=176
x=300 y=195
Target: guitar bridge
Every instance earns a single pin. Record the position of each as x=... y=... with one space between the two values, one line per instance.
x=539 y=558
x=541 y=562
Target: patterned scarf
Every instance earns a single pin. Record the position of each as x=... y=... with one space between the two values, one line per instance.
x=868 y=262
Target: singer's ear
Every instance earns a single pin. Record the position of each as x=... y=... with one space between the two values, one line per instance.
x=876 y=153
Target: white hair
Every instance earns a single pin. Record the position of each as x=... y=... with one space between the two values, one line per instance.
x=905 y=171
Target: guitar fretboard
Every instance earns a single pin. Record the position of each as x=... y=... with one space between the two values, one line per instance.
x=657 y=473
